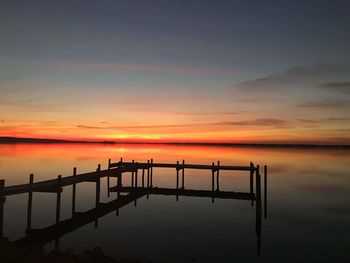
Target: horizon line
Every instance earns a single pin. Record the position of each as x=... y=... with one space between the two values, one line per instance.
x=13 y=140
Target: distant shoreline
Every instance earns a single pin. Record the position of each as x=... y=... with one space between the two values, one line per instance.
x=12 y=140
x=16 y=140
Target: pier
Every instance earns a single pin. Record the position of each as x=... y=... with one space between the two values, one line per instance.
x=141 y=185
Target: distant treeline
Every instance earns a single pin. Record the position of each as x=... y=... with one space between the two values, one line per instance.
x=36 y=140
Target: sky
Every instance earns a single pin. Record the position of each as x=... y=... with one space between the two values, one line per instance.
x=176 y=71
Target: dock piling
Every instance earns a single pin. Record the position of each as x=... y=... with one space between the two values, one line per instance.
x=2 y=202
x=212 y=181
x=177 y=179
x=252 y=181
x=148 y=174
x=119 y=184
x=177 y=175
x=58 y=199
x=29 y=205
x=98 y=185
x=108 y=182
x=148 y=167
x=98 y=190
x=151 y=182
x=74 y=191
x=258 y=198
x=136 y=173
x=132 y=173
x=183 y=174
x=265 y=191
x=217 y=177
x=258 y=209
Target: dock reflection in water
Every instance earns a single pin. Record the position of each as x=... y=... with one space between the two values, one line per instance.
x=141 y=185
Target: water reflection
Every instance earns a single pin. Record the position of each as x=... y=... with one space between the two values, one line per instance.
x=307 y=203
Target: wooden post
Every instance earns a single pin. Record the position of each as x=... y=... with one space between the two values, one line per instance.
x=151 y=182
x=132 y=179
x=74 y=192
x=177 y=175
x=143 y=178
x=148 y=173
x=2 y=202
x=258 y=210
x=265 y=191
x=119 y=178
x=58 y=199
x=252 y=181
x=30 y=204
x=212 y=181
x=136 y=172
x=177 y=180
x=119 y=184
x=108 y=182
x=212 y=177
x=183 y=174
x=98 y=186
x=98 y=189
x=217 y=177
x=132 y=174
x=148 y=179
x=258 y=200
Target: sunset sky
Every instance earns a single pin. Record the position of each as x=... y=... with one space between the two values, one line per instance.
x=184 y=71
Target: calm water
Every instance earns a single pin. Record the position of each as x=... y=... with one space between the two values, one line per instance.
x=308 y=204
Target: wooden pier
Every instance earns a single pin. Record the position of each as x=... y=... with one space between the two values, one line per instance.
x=141 y=185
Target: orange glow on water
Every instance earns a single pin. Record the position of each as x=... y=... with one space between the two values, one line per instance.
x=49 y=160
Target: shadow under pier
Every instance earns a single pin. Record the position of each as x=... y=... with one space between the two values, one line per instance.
x=186 y=192
x=79 y=219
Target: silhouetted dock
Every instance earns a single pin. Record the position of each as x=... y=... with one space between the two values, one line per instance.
x=114 y=170
x=141 y=185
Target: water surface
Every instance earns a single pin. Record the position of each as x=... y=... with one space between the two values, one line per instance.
x=308 y=203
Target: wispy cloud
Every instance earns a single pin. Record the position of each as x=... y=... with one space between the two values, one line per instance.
x=33 y=105
x=325 y=75
x=255 y=122
x=324 y=120
x=133 y=66
x=191 y=113
x=325 y=104
x=138 y=126
x=260 y=100
x=17 y=102
x=342 y=87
